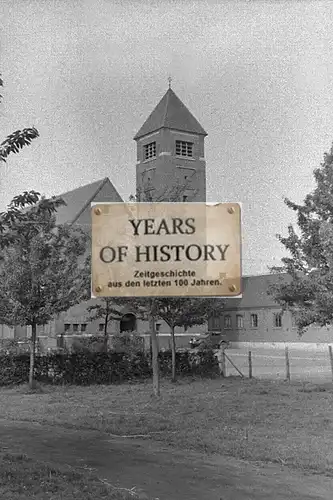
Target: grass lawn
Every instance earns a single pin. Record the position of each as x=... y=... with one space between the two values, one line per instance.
x=22 y=478
x=268 y=421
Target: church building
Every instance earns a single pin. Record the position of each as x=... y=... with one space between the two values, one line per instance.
x=171 y=166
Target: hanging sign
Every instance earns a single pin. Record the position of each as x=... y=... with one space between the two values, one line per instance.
x=166 y=249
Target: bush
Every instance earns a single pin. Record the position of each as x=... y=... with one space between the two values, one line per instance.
x=87 y=367
x=87 y=344
x=14 y=346
x=14 y=369
x=201 y=362
x=127 y=342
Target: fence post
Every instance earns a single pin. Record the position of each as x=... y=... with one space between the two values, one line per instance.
x=250 y=364
x=331 y=358
x=223 y=367
x=287 y=364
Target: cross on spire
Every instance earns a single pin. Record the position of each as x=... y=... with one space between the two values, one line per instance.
x=169 y=80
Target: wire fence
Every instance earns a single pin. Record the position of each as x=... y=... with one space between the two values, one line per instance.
x=287 y=364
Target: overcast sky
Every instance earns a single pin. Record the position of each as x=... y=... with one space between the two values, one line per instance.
x=257 y=75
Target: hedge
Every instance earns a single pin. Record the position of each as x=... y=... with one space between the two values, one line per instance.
x=103 y=368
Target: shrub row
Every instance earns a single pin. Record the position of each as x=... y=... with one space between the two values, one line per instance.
x=102 y=368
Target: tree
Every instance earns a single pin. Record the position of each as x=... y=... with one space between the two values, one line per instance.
x=184 y=312
x=146 y=194
x=144 y=307
x=43 y=271
x=154 y=346
x=17 y=140
x=307 y=290
x=107 y=310
x=169 y=194
x=175 y=311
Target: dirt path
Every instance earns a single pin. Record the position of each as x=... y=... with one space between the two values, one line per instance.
x=160 y=471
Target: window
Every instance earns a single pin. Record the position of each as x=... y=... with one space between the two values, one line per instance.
x=227 y=322
x=157 y=327
x=277 y=320
x=184 y=198
x=83 y=327
x=254 y=320
x=67 y=327
x=185 y=177
x=75 y=327
x=293 y=321
x=215 y=323
x=101 y=327
x=239 y=320
x=149 y=150
x=184 y=148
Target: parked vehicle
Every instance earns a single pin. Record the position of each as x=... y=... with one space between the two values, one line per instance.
x=217 y=340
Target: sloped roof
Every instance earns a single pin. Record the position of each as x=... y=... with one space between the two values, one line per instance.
x=255 y=291
x=80 y=198
x=170 y=112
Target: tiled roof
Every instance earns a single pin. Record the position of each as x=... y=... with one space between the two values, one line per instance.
x=255 y=292
x=80 y=198
x=171 y=113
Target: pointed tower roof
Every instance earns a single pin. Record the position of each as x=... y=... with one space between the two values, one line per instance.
x=170 y=112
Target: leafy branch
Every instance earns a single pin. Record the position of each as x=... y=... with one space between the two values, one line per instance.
x=17 y=140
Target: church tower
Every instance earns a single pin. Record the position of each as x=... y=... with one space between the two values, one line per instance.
x=170 y=154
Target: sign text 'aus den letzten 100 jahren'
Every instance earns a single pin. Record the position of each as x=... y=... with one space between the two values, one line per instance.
x=166 y=249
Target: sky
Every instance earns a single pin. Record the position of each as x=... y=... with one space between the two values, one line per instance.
x=256 y=74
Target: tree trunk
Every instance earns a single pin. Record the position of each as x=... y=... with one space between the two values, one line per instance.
x=105 y=340
x=173 y=353
x=32 y=381
x=156 y=374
